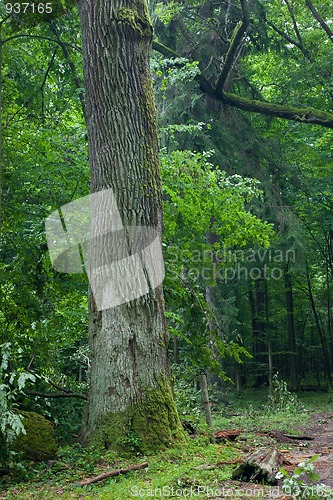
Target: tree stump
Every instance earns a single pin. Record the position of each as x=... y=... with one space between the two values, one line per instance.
x=261 y=467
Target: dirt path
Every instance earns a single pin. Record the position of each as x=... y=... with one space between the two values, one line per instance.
x=321 y=430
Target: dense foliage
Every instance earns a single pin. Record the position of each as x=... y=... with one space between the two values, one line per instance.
x=248 y=240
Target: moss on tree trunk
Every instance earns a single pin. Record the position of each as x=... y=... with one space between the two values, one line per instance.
x=150 y=424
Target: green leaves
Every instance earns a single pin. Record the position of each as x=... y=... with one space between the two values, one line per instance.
x=201 y=199
x=305 y=488
x=11 y=386
x=170 y=72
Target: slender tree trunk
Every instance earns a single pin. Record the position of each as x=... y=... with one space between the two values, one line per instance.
x=130 y=387
x=328 y=263
x=205 y=399
x=211 y=291
x=327 y=364
x=269 y=342
x=270 y=365
x=291 y=329
x=238 y=377
x=258 y=299
x=302 y=351
x=175 y=349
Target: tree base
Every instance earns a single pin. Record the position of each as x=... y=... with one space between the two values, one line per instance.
x=150 y=424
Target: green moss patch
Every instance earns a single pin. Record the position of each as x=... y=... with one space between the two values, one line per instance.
x=151 y=424
x=38 y=443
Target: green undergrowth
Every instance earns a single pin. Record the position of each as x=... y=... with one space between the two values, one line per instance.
x=181 y=468
x=177 y=468
x=253 y=411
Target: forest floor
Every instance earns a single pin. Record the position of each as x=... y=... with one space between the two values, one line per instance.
x=195 y=468
x=320 y=430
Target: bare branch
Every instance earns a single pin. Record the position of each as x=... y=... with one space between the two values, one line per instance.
x=289 y=39
x=235 y=44
x=4 y=20
x=291 y=12
x=39 y=37
x=320 y=20
x=50 y=395
x=113 y=473
x=64 y=393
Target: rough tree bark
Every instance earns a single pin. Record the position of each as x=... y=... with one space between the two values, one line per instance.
x=130 y=382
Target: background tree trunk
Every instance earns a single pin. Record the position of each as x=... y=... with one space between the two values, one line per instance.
x=257 y=297
x=130 y=388
x=291 y=328
x=205 y=398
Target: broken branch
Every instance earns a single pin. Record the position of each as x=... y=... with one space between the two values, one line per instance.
x=113 y=473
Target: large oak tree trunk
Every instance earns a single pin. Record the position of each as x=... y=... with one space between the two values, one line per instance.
x=130 y=389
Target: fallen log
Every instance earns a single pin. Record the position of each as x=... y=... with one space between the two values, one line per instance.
x=227 y=435
x=282 y=437
x=300 y=438
x=261 y=467
x=113 y=473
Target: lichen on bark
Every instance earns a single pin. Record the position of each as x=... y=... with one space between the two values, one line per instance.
x=139 y=22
